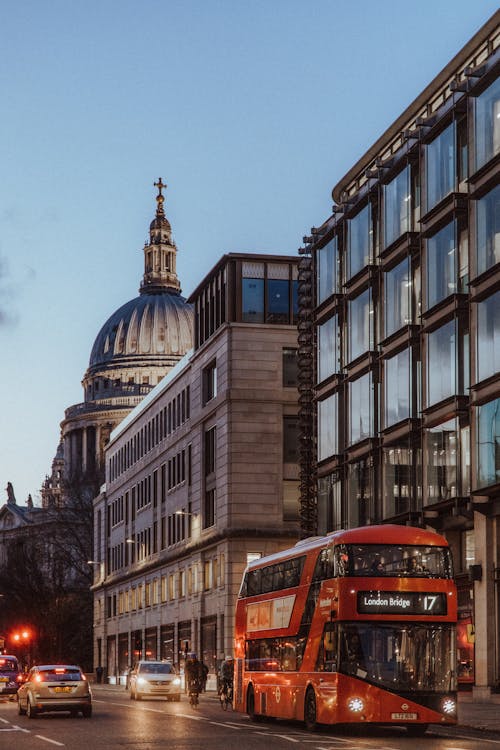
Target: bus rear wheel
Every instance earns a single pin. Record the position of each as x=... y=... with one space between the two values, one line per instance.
x=310 y=711
x=251 y=705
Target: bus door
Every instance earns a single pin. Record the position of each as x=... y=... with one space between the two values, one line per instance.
x=326 y=666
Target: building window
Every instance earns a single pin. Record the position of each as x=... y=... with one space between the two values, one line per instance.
x=488 y=444
x=488 y=229
x=328 y=349
x=440 y=166
x=209 y=509
x=359 y=242
x=488 y=337
x=210 y=450
x=397 y=207
x=487 y=124
x=327 y=260
x=278 y=301
x=291 y=500
x=359 y=498
x=290 y=439
x=441 y=265
x=441 y=456
x=397 y=298
x=397 y=481
x=397 y=388
x=441 y=363
x=330 y=513
x=361 y=409
x=252 y=300
x=209 y=382
x=359 y=325
x=327 y=427
x=290 y=368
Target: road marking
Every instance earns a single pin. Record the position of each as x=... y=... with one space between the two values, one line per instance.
x=47 y=739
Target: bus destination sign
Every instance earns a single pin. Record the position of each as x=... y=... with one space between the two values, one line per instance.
x=401 y=603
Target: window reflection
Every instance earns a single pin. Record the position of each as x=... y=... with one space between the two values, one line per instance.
x=328 y=273
x=441 y=265
x=360 y=408
x=397 y=298
x=328 y=349
x=488 y=230
x=441 y=448
x=397 y=388
x=253 y=300
x=327 y=427
x=441 y=363
x=397 y=206
x=359 y=488
x=488 y=443
x=397 y=474
x=360 y=325
x=440 y=166
x=359 y=244
x=488 y=337
x=487 y=124
x=278 y=304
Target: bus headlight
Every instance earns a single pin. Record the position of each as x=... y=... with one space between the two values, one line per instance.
x=449 y=706
x=355 y=705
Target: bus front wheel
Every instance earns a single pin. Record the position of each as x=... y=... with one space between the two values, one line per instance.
x=310 y=711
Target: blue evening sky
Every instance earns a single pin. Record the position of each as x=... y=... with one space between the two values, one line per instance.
x=249 y=111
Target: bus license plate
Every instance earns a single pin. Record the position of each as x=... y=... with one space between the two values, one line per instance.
x=404 y=717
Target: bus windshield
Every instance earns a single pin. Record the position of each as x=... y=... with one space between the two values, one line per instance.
x=415 y=657
x=393 y=560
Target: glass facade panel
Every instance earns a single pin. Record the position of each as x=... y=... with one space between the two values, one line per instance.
x=441 y=265
x=397 y=482
x=441 y=450
x=278 y=301
x=397 y=388
x=487 y=124
x=441 y=363
x=359 y=325
x=330 y=516
x=360 y=409
x=397 y=298
x=253 y=300
x=328 y=270
x=440 y=166
x=397 y=205
x=488 y=337
x=488 y=230
x=488 y=444
x=359 y=497
x=359 y=242
x=328 y=349
x=327 y=427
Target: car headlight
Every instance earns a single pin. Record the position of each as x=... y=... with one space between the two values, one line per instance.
x=449 y=706
x=141 y=681
x=355 y=705
x=176 y=681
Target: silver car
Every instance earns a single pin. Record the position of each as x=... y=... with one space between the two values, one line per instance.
x=154 y=678
x=55 y=687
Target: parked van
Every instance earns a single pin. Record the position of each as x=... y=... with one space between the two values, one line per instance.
x=9 y=674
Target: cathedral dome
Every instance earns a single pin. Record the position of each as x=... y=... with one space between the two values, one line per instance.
x=151 y=326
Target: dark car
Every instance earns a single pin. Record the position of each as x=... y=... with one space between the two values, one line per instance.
x=55 y=687
x=10 y=676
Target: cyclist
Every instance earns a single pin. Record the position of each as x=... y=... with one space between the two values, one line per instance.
x=194 y=677
x=226 y=675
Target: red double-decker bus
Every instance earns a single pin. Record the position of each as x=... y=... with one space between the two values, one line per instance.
x=358 y=626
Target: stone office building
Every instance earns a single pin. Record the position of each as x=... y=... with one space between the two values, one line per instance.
x=399 y=340
x=202 y=476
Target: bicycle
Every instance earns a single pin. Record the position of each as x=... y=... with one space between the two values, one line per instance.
x=193 y=693
x=226 y=696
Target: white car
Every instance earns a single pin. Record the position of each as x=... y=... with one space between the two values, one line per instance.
x=154 y=678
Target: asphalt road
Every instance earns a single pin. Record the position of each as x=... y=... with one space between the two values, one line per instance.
x=119 y=723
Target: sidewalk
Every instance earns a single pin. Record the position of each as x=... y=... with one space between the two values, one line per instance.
x=483 y=715
x=479 y=714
